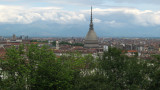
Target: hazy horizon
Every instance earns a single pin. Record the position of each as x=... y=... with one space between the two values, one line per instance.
x=70 y=18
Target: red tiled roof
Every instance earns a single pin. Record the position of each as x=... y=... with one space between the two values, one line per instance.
x=34 y=43
x=14 y=43
x=132 y=51
x=2 y=52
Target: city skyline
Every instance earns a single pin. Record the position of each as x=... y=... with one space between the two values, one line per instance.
x=70 y=18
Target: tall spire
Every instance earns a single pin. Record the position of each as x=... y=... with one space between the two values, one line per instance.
x=91 y=22
x=91 y=39
x=91 y=14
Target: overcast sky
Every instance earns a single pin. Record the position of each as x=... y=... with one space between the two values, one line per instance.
x=117 y=18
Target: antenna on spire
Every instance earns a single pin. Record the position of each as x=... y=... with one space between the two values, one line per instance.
x=91 y=14
x=91 y=22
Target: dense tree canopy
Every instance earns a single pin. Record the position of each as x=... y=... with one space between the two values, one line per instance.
x=67 y=43
x=29 y=67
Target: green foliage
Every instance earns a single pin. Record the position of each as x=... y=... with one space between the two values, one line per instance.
x=116 y=71
x=127 y=73
x=77 y=44
x=39 y=41
x=29 y=67
x=136 y=54
x=76 y=61
x=32 y=67
x=66 y=43
x=14 y=68
x=54 y=43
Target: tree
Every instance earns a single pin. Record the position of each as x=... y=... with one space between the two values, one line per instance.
x=29 y=67
x=14 y=69
x=122 y=72
x=33 y=67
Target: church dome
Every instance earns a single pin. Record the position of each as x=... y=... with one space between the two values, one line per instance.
x=91 y=35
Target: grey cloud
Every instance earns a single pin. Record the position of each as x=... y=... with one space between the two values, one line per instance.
x=116 y=16
x=137 y=1
x=76 y=2
x=73 y=2
x=15 y=14
x=88 y=2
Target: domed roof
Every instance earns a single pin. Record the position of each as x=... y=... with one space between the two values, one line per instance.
x=91 y=35
x=91 y=39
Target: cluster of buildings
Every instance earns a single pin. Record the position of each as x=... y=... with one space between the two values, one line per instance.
x=91 y=44
x=143 y=47
x=11 y=41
